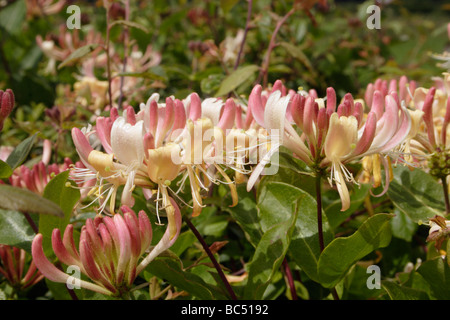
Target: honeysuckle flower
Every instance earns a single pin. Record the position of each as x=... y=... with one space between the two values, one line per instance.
x=38 y=8
x=330 y=137
x=58 y=47
x=112 y=251
x=202 y=145
x=13 y=266
x=109 y=174
x=428 y=140
x=155 y=146
x=37 y=177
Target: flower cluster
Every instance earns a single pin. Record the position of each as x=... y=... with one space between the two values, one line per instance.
x=330 y=135
x=13 y=261
x=109 y=253
x=193 y=141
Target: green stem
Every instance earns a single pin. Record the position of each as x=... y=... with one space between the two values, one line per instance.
x=320 y=223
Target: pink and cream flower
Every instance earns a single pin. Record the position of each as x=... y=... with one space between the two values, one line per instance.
x=112 y=251
x=330 y=137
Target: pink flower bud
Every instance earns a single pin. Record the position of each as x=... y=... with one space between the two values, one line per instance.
x=331 y=99
x=130 y=115
x=195 y=109
x=297 y=109
x=7 y=103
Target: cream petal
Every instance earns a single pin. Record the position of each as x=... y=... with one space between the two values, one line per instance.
x=127 y=142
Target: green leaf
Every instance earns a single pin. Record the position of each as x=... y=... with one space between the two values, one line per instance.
x=24 y=200
x=184 y=241
x=416 y=194
x=64 y=196
x=337 y=258
x=78 y=54
x=12 y=17
x=292 y=171
x=398 y=292
x=245 y=214
x=15 y=230
x=402 y=226
x=227 y=5
x=437 y=273
x=276 y=203
x=130 y=24
x=236 y=78
x=5 y=170
x=274 y=244
x=210 y=223
x=20 y=153
x=333 y=210
x=298 y=54
x=172 y=271
x=211 y=83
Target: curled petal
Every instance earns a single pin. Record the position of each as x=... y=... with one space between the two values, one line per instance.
x=255 y=105
x=179 y=116
x=195 y=109
x=87 y=258
x=82 y=146
x=167 y=116
x=42 y=263
x=103 y=128
x=166 y=241
x=228 y=117
x=125 y=246
x=368 y=135
x=133 y=225
x=275 y=113
x=402 y=132
x=61 y=252
x=388 y=124
x=126 y=141
x=341 y=187
x=145 y=231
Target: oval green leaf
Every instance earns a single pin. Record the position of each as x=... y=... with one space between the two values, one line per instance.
x=276 y=203
x=416 y=194
x=78 y=54
x=15 y=230
x=20 y=153
x=236 y=78
x=337 y=258
x=26 y=201
x=5 y=170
